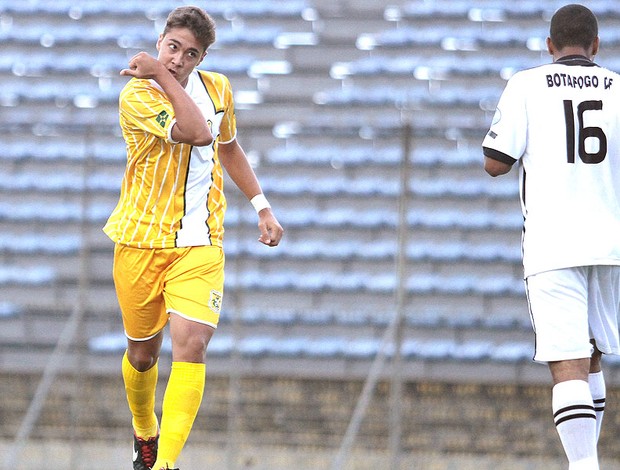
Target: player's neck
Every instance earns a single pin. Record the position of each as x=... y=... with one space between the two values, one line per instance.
x=577 y=59
x=572 y=51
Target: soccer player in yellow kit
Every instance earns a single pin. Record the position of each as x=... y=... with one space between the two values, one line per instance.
x=180 y=131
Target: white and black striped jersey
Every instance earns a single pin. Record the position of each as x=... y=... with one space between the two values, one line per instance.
x=561 y=122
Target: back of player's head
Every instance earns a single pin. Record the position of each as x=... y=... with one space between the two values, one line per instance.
x=198 y=21
x=573 y=25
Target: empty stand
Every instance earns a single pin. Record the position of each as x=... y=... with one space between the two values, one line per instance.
x=324 y=91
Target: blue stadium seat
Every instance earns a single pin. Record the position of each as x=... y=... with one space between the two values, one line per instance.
x=265 y=34
x=255 y=345
x=58 y=212
x=327 y=154
x=462 y=320
x=32 y=275
x=324 y=347
x=35 y=275
x=36 y=242
x=362 y=348
x=496 y=251
x=108 y=343
x=60 y=182
x=9 y=309
x=436 y=250
x=221 y=345
x=429 y=155
x=613 y=361
x=353 y=348
x=154 y=8
x=409 y=348
x=281 y=316
x=472 y=351
x=316 y=317
x=513 y=352
x=425 y=319
x=113 y=151
x=505 y=322
x=289 y=347
x=425 y=283
x=506 y=188
x=432 y=350
x=352 y=318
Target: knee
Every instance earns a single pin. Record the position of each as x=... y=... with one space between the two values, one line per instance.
x=142 y=362
x=143 y=355
x=191 y=348
x=595 y=362
x=195 y=347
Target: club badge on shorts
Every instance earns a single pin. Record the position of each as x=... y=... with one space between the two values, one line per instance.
x=215 y=301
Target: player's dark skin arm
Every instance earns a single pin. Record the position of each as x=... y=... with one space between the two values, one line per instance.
x=495 y=167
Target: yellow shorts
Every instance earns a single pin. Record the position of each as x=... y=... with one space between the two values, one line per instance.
x=152 y=283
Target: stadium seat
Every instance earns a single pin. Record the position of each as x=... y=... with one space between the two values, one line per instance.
x=512 y=352
x=362 y=348
x=255 y=346
x=288 y=347
x=58 y=212
x=32 y=275
x=221 y=345
x=324 y=347
x=475 y=351
x=109 y=343
x=9 y=309
x=28 y=243
x=337 y=147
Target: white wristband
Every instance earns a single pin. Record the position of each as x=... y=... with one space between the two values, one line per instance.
x=260 y=202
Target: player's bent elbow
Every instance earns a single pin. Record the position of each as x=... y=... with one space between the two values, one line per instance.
x=198 y=137
x=495 y=168
x=201 y=139
x=492 y=172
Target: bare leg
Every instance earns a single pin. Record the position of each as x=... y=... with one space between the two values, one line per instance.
x=189 y=339
x=143 y=355
x=576 y=369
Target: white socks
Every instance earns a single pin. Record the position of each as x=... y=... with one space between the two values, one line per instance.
x=598 y=392
x=575 y=421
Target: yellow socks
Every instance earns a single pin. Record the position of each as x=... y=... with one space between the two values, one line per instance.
x=181 y=403
x=140 y=389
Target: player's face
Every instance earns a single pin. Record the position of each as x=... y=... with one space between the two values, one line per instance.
x=180 y=52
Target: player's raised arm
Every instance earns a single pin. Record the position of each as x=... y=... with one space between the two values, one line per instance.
x=190 y=125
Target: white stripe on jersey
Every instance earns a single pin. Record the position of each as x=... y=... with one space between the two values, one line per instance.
x=199 y=178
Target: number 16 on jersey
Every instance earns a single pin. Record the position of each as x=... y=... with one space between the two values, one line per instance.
x=582 y=134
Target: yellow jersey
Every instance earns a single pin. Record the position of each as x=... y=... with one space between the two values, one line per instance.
x=172 y=194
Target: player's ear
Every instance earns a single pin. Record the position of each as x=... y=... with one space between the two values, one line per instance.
x=595 y=45
x=159 y=40
x=550 y=46
x=204 y=54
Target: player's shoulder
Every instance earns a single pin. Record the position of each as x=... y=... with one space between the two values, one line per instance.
x=216 y=78
x=137 y=83
x=140 y=85
x=604 y=70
